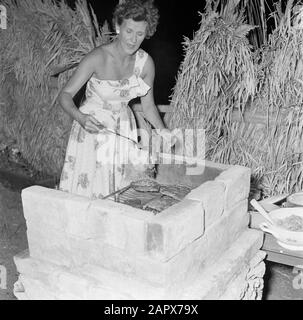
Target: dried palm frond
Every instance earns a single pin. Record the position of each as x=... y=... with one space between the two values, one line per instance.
x=217 y=75
x=273 y=149
x=220 y=74
x=42 y=36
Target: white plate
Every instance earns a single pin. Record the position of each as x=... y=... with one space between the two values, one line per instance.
x=290 y=247
x=296 y=199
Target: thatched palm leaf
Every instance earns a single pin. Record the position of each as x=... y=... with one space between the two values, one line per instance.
x=220 y=74
x=42 y=36
x=216 y=76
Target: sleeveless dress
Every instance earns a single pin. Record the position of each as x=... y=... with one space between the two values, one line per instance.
x=94 y=164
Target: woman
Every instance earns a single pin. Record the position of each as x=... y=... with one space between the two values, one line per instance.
x=115 y=74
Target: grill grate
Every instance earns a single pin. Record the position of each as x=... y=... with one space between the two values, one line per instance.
x=132 y=195
x=139 y=199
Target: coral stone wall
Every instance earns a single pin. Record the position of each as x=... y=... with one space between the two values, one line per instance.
x=101 y=249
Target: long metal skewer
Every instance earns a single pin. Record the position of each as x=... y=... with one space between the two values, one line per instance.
x=116 y=192
x=120 y=135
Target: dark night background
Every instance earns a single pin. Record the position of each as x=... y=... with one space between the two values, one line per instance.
x=177 y=20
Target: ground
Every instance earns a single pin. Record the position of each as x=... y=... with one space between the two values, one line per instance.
x=15 y=174
x=279 y=279
x=12 y=236
x=282 y=283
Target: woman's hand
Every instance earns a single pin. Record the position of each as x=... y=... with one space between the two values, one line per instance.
x=90 y=123
x=168 y=136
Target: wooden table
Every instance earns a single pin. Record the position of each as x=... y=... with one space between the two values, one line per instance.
x=276 y=253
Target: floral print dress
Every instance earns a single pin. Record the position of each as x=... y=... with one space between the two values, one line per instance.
x=95 y=163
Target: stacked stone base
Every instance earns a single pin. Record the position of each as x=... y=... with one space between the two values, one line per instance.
x=237 y=275
x=200 y=248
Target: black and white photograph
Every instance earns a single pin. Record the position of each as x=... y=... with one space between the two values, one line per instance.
x=151 y=150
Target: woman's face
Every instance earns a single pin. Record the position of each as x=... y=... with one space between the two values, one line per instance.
x=131 y=34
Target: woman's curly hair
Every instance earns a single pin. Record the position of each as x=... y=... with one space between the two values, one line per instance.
x=138 y=10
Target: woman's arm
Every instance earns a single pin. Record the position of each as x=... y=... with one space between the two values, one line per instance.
x=83 y=72
x=148 y=104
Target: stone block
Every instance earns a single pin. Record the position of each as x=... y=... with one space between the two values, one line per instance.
x=238 y=218
x=61 y=210
x=132 y=288
x=218 y=240
x=86 y=282
x=212 y=196
x=122 y=226
x=70 y=282
x=174 y=228
x=32 y=267
x=184 y=265
x=237 y=287
x=171 y=260
x=213 y=281
x=237 y=183
x=36 y=289
x=163 y=250
x=58 y=281
x=35 y=271
x=224 y=232
x=92 y=282
x=129 y=265
x=206 y=250
x=248 y=284
x=245 y=288
x=49 y=244
x=116 y=224
x=78 y=252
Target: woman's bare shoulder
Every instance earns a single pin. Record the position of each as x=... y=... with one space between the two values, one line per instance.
x=98 y=54
x=149 y=61
x=149 y=66
x=101 y=55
